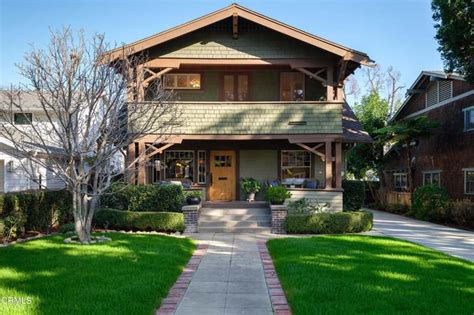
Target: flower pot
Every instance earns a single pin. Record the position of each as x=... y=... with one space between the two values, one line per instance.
x=251 y=197
x=193 y=200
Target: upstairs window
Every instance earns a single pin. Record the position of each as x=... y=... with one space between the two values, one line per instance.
x=469 y=118
x=400 y=181
x=432 y=178
x=438 y=91
x=291 y=86
x=22 y=118
x=183 y=81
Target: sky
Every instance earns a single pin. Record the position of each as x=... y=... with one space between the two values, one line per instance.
x=398 y=33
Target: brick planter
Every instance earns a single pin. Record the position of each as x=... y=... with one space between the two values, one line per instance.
x=191 y=217
x=279 y=214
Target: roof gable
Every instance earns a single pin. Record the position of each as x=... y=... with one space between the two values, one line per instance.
x=237 y=10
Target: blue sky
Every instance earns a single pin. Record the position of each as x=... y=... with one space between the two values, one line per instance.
x=396 y=33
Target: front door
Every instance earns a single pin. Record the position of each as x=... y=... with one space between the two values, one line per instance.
x=223 y=175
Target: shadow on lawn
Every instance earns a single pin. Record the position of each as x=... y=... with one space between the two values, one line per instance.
x=356 y=274
x=131 y=274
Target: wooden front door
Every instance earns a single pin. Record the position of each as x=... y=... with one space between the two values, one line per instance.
x=222 y=169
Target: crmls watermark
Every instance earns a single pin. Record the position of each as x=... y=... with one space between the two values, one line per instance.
x=16 y=300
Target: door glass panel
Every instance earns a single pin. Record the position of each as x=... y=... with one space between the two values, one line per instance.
x=229 y=88
x=285 y=87
x=243 y=87
x=298 y=87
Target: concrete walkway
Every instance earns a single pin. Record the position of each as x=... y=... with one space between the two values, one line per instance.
x=230 y=278
x=452 y=241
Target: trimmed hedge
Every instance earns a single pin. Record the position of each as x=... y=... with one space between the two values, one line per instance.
x=139 y=221
x=329 y=223
x=146 y=198
x=354 y=195
x=431 y=203
x=42 y=209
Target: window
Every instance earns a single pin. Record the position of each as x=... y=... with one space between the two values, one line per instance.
x=201 y=167
x=22 y=118
x=179 y=164
x=469 y=118
x=400 y=180
x=236 y=87
x=432 y=178
x=469 y=181
x=295 y=164
x=438 y=91
x=183 y=81
x=291 y=86
x=222 y=161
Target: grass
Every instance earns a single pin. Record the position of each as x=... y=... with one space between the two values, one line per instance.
x=130 y=275
x=371 y=275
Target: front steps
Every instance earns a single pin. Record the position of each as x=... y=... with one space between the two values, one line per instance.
x=234 y=217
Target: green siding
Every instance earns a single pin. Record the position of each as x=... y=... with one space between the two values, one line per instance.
x=259 y=118
x=259 y=164
x=265 y=85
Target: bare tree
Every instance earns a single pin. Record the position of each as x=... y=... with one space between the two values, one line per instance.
x=375 y=78
x=88 y=116
x=393 y=88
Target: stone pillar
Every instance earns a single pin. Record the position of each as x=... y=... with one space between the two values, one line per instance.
x=279 y=214
x=191 y=218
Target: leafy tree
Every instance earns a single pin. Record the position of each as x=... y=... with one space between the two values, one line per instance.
x=403 y=134
x=455 y=34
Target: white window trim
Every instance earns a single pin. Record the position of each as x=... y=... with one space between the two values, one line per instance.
x=465 y=111
x=465 y=170
x=395 y=180
x=176 y=87
x=205 y=167
x=288 y=167
x=431 y=172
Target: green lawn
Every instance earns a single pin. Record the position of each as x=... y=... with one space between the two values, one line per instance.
x=130 y=275
x=371 y=275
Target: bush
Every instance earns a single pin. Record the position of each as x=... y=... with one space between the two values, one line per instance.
x=147 y=198
x=41 y=209
x=139 y=221
x=14 y=225
x=430 y=203
x=277 y=195
x=354 y=195
x=305 y=206
x=462 y=212
x=67 y=228
x=330 y=223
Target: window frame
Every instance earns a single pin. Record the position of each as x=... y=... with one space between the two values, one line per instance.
x=204 y=173
x=176 y=87
x=282 y=167
x=466 y=113
x=193 y=163
x=400 y=174
x=431 y=173
x=24 y=114
x=465 y=171
x=291 y=84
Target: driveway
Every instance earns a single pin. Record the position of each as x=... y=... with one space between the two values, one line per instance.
x=452 y=241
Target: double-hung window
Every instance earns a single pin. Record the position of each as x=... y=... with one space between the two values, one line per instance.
x=468 y=118
x=432 y=178
x=469 y=181
x=400 y=181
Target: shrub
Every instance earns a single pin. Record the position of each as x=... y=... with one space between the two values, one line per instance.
x=462 y=212
x=141 y=221
x=143 y=197
x=14 y=225
x=67 y=228
x=354 y=195
x=330 y=223
x=397 y=208
x=193 y=194
x=430 y=203
x=305 y=206
x=250 y=185
x=277 y=195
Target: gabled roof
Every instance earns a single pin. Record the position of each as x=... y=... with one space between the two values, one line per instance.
x=420 y=79
x=235 y=9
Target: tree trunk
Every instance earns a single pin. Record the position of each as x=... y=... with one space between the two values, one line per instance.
x=410 y=169
x=82 y=216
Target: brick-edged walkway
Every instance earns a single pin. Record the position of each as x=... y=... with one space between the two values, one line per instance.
x=277 y=295
x=171 y=302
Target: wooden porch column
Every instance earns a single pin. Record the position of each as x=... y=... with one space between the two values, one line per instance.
x=141 y=163
x=330 y=84
x=328 y=149
x=338 y=164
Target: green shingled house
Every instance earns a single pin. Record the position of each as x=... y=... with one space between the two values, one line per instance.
x=259 y=99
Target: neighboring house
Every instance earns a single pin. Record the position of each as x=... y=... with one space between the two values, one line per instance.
x=13 y=176
x=259 y=99
x=446 y=158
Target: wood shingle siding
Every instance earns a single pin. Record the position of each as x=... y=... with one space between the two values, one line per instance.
x=259 y=118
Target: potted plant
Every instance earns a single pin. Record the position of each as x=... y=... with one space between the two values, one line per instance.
x=277 y=195
x=193 y=197
x=251 y=186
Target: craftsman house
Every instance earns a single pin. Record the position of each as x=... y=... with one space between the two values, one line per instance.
x=259 y=99
x=446 y=158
